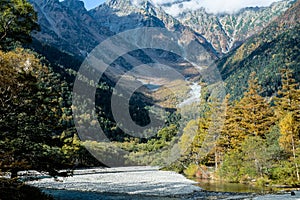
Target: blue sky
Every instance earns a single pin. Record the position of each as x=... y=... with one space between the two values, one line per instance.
x=92 y=3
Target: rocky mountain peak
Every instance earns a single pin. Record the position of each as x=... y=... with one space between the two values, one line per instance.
x=117 y=3
x=124 y=7
x=46 y=3
x=77 y=5
x=227 y=31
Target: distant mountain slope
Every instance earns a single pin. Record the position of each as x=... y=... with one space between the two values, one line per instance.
x=227 y=31
x=68 y=26
x=122 y=15
x=276 y=47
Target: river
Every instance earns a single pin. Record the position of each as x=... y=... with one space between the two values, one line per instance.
x=194 y=95
x=143 y=183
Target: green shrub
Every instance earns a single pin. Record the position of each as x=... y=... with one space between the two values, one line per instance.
x=191 y=170
x=262 y=181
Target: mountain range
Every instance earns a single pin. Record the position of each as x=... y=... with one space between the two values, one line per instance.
x=232 y=39
x=70 y=27
x=227 y=31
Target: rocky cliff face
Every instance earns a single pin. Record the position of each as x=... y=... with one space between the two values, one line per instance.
x=68 y=26
x=227 y=31
x=124 y=15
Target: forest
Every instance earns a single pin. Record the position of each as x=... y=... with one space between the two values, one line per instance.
x=256 y=128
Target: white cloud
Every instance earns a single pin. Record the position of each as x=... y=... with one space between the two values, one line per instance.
x=213 y=6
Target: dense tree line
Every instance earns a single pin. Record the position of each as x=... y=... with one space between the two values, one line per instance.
x=259 y=139
x=35 y=121
x=17 y=20
x=36 y=125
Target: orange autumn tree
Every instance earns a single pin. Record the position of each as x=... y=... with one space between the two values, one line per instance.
x=288 y=113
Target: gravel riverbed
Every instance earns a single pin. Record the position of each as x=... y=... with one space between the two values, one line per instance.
x=127 y=180
x=135 y=183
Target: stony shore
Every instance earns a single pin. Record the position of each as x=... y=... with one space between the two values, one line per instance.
x=135 y=183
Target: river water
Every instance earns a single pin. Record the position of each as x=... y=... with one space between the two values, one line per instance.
x=216 y=186
x=194 y=95
x=229 y=187
x=79 y=195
